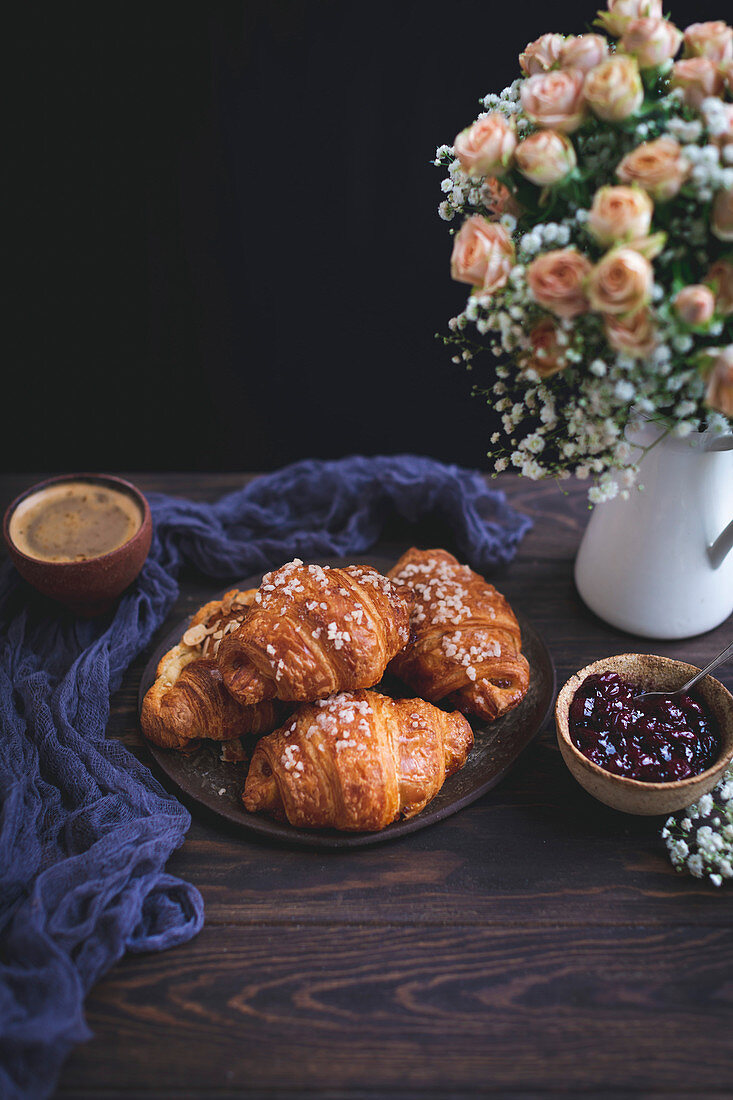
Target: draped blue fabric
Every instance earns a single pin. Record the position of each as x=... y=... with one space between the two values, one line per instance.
x=85 y=829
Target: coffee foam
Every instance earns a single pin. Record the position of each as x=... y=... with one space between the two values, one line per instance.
x=99 y=518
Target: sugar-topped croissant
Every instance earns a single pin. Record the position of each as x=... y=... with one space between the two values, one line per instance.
x=188 y=699
x=466 y=649
x=356 y=761
x=314 y=630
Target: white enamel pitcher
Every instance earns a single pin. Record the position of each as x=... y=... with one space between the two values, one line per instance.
x=660 y=564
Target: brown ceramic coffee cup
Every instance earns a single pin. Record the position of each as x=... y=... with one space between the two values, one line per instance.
x=91 y=586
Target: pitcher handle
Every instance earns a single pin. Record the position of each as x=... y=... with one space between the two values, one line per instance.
x=718 y=552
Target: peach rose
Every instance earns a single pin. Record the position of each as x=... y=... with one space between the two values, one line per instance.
x=498 y=199
x=483 y=254
x=660 y=167
x=699 y=78
x=557 y=281
x=719 y=392
x=583 y=51
x=621 y=12
x=613 y=89
x=542 y=54
x=712 y=40
x=652 y=42
x=621 y=282
x=695 y=304
x=720 y=278
x=545 y=158
x=486 y=148
x=619 y=214
x=545 y=356
x=721 y=225
x=554 y=101
x=633 y=334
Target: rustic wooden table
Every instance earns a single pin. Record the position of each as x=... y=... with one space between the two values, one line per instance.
x=536 y=943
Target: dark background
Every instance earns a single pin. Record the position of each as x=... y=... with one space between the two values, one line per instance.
x=224 y=230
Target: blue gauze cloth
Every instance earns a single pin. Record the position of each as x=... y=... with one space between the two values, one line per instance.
x=85 y=829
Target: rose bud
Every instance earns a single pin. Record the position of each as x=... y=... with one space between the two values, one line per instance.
x=545 y=356
x=695 y=304
x=486 y=148
x=557 y=281
x=498 y=199
x=483 y=254
x=720 y=278
x=719 y=392
x=653 y=42
x=721 y=225
x=649 y=246
x=632 y=334
x=555 y=101
x=542 y=54
x=711 y=40
x=621 y=282
x=619 y=214
x=658 y=166
x=614 y=90
x=583 y=51
x=698 y=78
x=621 y=12
x=545 y=158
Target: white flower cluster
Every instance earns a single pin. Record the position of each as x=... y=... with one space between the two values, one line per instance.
x=700 y=841
x=596 y=234
x=708 y=175
x=506 y=101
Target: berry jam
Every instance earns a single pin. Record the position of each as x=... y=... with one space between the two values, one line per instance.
x=657 y=740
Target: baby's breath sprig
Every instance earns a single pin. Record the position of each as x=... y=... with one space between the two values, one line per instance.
x=700 y=839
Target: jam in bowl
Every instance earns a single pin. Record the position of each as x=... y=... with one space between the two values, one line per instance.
x=644 y=757
x=657 y=740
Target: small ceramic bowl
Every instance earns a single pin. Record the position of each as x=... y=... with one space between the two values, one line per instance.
x=87 y=587
x=630 y=795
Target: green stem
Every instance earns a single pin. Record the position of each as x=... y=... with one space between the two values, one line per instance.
x=651 y=446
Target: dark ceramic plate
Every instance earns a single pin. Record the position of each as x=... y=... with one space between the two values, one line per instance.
x=210 y=782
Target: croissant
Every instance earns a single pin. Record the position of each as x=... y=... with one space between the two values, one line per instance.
x=188 y=699
x=466 y=649
x=313 y=631
x=356 y=761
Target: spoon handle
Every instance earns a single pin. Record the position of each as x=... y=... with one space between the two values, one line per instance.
x=722 y=656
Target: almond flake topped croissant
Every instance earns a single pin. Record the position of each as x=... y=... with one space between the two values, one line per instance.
x=356 y=761
x=188 y=699
x=467 y=643
x=314 y=630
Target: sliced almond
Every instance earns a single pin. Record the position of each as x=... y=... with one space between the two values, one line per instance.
x=194 y=635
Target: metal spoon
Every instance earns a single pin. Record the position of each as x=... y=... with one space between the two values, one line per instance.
x=723 y=656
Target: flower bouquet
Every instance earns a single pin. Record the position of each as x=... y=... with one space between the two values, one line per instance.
x=596 y=198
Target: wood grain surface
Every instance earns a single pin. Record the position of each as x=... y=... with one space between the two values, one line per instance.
x=535 y=944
